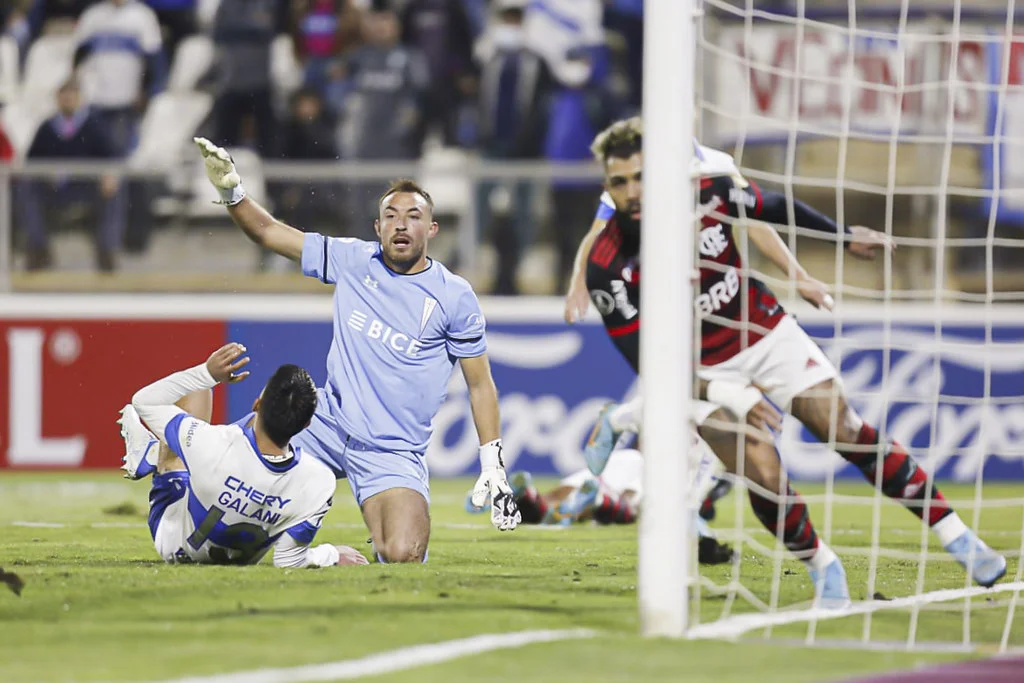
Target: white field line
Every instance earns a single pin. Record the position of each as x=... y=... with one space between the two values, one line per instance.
x=735 y=626
x=393 y=660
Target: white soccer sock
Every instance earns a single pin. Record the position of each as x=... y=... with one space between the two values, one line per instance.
x=626 y=417
x=822 y=557
x=949 y=528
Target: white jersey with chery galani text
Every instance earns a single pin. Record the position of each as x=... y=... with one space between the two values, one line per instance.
x=240 y=503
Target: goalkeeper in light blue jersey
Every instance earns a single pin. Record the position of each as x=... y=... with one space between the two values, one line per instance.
x=401 y=322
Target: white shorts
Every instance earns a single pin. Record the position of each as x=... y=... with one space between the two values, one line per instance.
x=785 y=362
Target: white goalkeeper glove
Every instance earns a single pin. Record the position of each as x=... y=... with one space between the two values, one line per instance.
x=505 y=514
x=220 y=169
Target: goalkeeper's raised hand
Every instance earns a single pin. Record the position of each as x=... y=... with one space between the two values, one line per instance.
x=220 y=169
x=505 y=514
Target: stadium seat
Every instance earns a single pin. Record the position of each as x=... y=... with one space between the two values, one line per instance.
x=192 y=60
x=47 y=65
x=204 y=196
x=10 y=69
x=166 y=131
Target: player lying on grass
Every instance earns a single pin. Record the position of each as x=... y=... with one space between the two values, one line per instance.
x=224 y=494
x=401 y=322
x=613 y=498
x=747 y=337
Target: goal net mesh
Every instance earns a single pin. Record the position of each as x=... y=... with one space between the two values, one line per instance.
x=910 y=122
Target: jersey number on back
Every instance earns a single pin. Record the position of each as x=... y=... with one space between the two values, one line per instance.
x=246 y=540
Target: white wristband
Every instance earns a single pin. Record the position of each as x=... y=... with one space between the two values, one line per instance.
x=490 y=455
x=738 y=398
x=231 y=196
x=325 y=555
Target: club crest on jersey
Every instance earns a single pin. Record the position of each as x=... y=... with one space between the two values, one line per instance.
x=713 y=241
x=385 y=334
x=429 y=305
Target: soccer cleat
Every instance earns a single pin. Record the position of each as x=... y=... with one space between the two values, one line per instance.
x=830 y=588
x=601 y=442
x=986 y=566
x=140 y=448
x=720 y=490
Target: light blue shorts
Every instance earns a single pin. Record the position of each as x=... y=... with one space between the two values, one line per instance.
x=368 y=469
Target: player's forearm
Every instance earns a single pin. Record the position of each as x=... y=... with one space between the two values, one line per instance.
x=773 y=210
x=265 y=230
x=155 y=402
x=579 y=266
x=483 y=400
x=769 y=243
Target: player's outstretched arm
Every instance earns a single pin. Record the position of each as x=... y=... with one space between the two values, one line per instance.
x=577 y=300
x=861 y=241
x=255 y=221
x=768 y=241
x=483 y=400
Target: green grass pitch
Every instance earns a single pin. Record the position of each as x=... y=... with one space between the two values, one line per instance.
x=99 y=606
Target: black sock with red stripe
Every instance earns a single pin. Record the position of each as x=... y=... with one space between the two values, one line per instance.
x=902 y=479
x=797 y=531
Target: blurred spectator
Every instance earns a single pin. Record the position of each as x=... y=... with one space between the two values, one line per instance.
x=514 y=87
x=560 y=30
x=243 y=31
x=177 y=19
x=383 y=109
x=626 y=17
x=440 y=30
x=74 y=133
x=57 y=15
x=309 y=136
x=16 y=21
x=577 y=114
x=322 y=30
x=118 y=47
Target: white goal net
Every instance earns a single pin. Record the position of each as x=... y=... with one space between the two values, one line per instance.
x=907 y=118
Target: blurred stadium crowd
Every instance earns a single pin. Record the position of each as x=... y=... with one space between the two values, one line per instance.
x=311 y=81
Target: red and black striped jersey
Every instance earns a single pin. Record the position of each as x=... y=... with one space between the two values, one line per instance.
x=613 y=279
x=735 y=310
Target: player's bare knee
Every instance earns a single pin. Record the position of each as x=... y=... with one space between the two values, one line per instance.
x=403 y=550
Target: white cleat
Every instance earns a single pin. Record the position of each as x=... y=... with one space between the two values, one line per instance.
x=139 y=453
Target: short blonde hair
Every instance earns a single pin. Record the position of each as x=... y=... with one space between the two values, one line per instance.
x=620 y=140
x=406 y=185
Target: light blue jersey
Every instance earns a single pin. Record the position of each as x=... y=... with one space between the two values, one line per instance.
x=396 y=340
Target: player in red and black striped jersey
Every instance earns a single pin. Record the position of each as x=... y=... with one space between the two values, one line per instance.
x=748 y=338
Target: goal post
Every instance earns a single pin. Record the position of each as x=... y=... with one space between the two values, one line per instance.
x=666 y=355
x=909 y=121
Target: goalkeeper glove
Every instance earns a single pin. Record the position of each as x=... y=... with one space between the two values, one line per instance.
x=505 y=514
x=220 y=169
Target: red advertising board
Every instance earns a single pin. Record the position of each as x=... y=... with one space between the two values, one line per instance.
x=63 y=381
